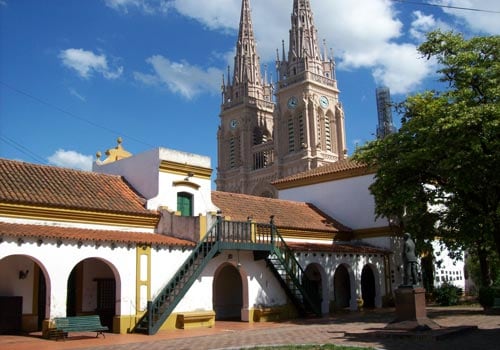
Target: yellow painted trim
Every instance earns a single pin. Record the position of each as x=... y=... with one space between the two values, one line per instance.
x=140 y=251
x=29 y=323
x=170 y=323
x=384 y=231
x=186 y=183
x=308 y=235
x=184 y=169
x=195 y=319
x=124 y=324
x=203 y=226
x=79 y=216
x=316 y=179
x=271 y=314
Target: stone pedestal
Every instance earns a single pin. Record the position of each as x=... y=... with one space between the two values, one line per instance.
x=410 y=310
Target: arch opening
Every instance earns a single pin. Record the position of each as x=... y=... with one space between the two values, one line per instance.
x=368 y=291
x=92 y=289
x=228 y=294
x=342 y=288
x=24 y=291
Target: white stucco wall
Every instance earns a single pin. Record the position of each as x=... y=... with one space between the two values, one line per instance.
x=346 y=200
x=142 y=171
x=329 y=262
x=263 y=288
x=12 y=285
x=57 y=262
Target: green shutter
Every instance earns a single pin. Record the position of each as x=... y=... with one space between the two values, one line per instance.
x=185 y=204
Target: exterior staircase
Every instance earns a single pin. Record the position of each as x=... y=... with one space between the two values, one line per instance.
x=165 y=302
x=263 y=239
x=292 y=277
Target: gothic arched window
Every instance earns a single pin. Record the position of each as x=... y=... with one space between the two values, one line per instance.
x=234 y=151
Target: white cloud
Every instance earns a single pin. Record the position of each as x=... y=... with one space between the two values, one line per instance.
x=85 y=63
x=390 y=68
x=146 y=6
x=478 y=21
x=71 y=159
x=365 y=34
x=181 y=77
x=423 y=23
x=3 y=2
x=360 y=32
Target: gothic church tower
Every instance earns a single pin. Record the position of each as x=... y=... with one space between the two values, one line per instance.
x=260 y=139
x=245 y=146
x=309 y=117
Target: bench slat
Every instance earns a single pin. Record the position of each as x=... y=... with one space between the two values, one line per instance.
x=91 y=323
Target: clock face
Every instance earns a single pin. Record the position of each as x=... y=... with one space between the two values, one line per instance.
x=323 y=101
x=292 y=102
x=233 y=124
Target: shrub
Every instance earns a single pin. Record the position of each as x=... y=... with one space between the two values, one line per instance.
x=487 y=296
x=447 y=294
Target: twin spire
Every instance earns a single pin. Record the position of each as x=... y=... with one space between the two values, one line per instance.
x=303 y=54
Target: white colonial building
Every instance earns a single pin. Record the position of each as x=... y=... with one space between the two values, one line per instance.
x=143 y=242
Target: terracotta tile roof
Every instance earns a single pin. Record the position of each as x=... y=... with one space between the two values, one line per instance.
x=50 y=186
x=80 y=234
x=336 y=248
x=341 y=169
x=287 y=214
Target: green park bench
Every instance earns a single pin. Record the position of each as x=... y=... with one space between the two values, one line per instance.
x=64 y=325
x=496 y=304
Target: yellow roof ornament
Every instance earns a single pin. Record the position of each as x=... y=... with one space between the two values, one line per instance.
x=114 y=154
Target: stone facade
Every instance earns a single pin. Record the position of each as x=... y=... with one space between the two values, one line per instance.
x=269 y=131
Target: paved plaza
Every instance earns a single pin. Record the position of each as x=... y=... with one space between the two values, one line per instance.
x=332 y=330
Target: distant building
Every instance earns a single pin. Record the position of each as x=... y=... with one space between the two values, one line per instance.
x=385 y=125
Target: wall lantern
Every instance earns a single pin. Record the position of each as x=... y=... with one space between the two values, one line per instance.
x=23 y=274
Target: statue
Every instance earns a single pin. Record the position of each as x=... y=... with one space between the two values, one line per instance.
x=409 y=261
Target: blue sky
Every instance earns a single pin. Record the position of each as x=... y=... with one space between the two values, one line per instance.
x=75 y=74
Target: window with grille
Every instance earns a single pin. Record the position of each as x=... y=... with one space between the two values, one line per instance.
x=233 y=152
x=328 y=135
x=302 y=132
x=106 y=290
x=291 y=135
x=319 y=132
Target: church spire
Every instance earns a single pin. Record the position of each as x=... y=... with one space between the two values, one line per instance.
x=304 y=53
x=247 y=79
x=246 y=61
x=303 y=34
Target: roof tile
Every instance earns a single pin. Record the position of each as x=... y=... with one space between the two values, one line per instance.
x=41 y=185
x=80 y=234
x=287 y=214
x=341 y=166
x=343 y=248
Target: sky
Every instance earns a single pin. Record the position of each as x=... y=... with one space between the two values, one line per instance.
x=77 y=74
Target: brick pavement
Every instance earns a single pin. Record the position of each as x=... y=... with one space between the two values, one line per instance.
x=238 y=335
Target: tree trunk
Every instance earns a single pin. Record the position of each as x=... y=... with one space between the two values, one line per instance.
x=484 y=267
x=496 y=234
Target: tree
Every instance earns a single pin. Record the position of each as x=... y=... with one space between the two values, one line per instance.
x=439 y=175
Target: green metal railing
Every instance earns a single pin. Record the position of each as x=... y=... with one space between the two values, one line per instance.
x=225 y=235
x=291 y=275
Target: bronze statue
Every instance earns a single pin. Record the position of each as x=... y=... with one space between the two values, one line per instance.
x=409 y=261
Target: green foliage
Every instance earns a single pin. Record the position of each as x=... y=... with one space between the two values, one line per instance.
x=474 y=269
x=487 y=296
x=447 y=294
x=438 y=175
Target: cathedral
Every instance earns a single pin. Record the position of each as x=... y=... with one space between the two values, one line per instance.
x=272 y=130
